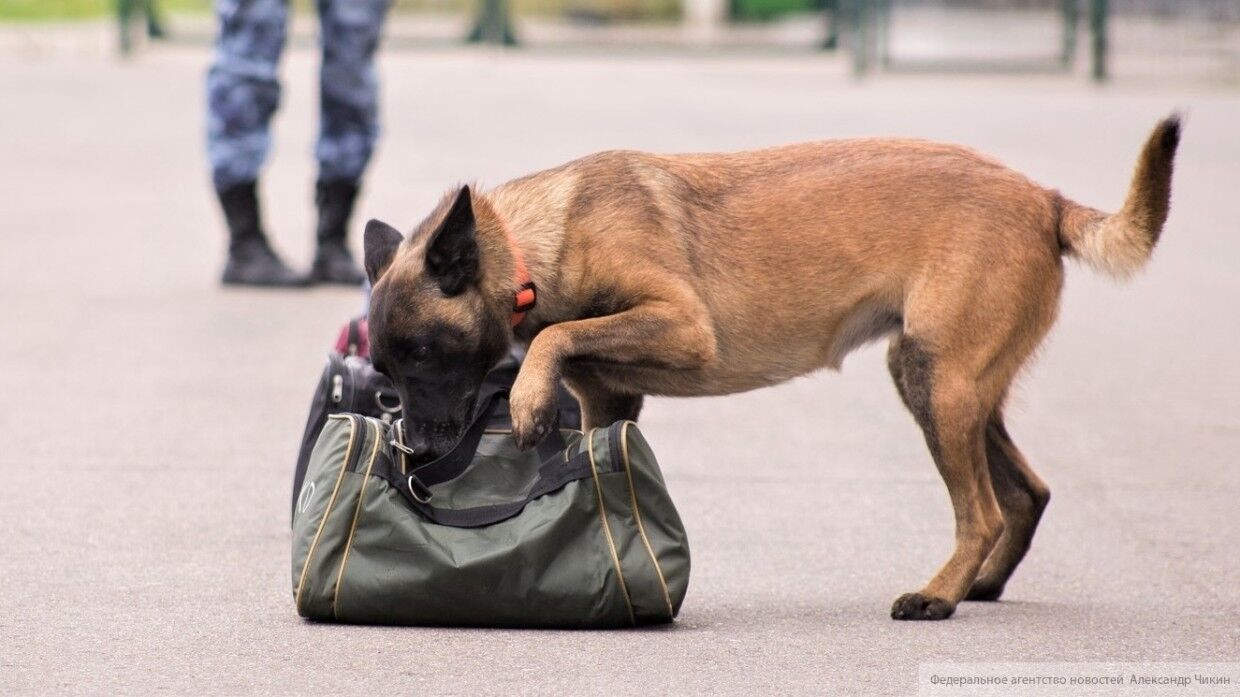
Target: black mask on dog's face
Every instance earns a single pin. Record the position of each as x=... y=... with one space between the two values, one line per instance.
x=432 y=331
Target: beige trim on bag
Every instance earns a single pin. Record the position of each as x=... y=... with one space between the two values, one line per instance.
x=602 y=514
x=357 y=512
x=641 y=529
x=301 y=581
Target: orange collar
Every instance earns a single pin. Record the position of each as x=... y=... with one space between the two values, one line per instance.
x=525 y=297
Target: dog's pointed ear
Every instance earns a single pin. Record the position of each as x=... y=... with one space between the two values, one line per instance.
x=380 y=243
x=452 y=254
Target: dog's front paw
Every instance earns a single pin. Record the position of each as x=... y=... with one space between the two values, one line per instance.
x=915 y=606
x=532 y=418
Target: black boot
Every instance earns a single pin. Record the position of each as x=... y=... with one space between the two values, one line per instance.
x=333 y=263
x=251 y=261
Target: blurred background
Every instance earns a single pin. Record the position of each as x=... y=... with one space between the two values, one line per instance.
x=1127 y=39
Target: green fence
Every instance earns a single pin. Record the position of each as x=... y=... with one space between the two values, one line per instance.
x=869 y=27
x=1174 y=38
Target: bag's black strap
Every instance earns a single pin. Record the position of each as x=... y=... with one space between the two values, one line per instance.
x=554 y=475
x=414 y=485
x=454 y=463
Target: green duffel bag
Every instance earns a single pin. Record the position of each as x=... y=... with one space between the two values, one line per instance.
x=580 y=533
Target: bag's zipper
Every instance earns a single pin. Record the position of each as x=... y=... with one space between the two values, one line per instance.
x=353 y=386
x=618 y=435
x=357 y=511
x=337 y=388
x=350 y=453
x=354 y=457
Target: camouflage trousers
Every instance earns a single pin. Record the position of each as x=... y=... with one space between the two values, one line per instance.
x=243 y=87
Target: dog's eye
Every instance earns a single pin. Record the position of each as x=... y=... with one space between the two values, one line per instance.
x=413 y=352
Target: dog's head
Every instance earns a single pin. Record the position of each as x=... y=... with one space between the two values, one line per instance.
x=439 y=316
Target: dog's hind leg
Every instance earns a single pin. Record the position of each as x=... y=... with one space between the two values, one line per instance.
x=1021 y=494
x=1022 y=497
x=950 y=406
x=896 y=370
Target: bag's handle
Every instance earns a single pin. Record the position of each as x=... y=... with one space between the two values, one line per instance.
x=353 y=340
x=552 y=476
x=414 y=486
x=454 y=463
x=355 y=336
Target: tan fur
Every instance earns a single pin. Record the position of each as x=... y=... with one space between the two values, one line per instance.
x=710 y=274
x=1120 y=244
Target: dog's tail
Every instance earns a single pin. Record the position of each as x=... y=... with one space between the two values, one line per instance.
x=1121 y=243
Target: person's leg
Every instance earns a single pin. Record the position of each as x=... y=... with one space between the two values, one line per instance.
x=243 y=92
x=124 y=10
x=348 y=128
x=154 y=23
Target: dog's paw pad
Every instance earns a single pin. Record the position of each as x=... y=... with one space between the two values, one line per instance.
x=915 y=606
x=531 y=429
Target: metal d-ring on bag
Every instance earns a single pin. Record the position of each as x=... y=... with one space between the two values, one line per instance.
x=579 y=533
x=388 y=403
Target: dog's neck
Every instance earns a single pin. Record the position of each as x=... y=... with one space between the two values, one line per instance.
x=523 y=223
x=525 y=295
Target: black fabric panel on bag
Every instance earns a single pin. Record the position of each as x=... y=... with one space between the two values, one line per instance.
x=363 y=390
x=319 y=409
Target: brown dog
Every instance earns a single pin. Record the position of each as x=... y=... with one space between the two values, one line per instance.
x=711 y=274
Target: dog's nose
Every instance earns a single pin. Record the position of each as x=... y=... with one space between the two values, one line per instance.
x=420 y=449
x=414 y=445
